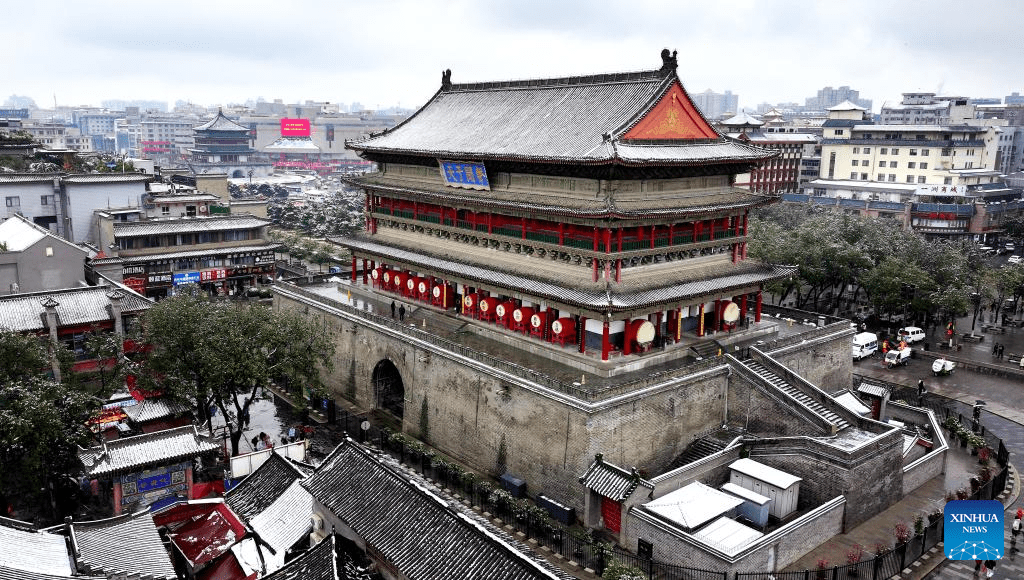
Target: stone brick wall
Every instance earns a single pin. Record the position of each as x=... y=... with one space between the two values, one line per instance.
x=549 y=438
x=712 y=471
x=753 y=409
x=772 y=552
x=870 y=478
x=825 y=361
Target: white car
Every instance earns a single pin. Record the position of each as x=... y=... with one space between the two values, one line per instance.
x=911 y=334
x=1014 y=260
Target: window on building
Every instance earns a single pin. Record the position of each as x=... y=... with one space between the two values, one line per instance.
x=883 y=150
x=856 y=150
x=892 y=177
x=867 y=150
x=14 y=201
x=924 y=165
x=881 y=163
x=45 y=199
x=920 y=179
x=893 y=164
x=895 y=151
x=854 y=162
x=948 y=181
x=946 y=151
x=910 y=179
x=913 y=152
x=881 y=177
x=911 y=165
x=840 y=132
x=864 y=176
x=165 y=210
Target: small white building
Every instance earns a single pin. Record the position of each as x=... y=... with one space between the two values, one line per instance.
x=755 y=507
x=694 y=505
x=781 y=487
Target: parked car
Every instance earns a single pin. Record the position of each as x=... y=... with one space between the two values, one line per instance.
x=987 y=250
x=911 y=334
x=864 y=344
x=1014 y=259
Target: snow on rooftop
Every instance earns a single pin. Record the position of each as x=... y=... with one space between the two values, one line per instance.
x=728 y=535
x=767 y=474
x=851 y=402
x=744 y=493
x=19 y=234
x=693 y=505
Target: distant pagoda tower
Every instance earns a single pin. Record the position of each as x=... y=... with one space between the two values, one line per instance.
x=595 y=213
x=222 y=146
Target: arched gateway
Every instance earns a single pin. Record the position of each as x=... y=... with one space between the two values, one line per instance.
x=388 y=391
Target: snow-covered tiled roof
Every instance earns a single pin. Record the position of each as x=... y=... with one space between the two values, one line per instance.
x=612 y=481
x=293 y=145
x=30 y=550
x=762 y=472
x=187 y=225
x=220 y=123
x=75 y=306
x=153 y=409
x=211 y=252
x=130 y=453
x=127 y=545
x=19 y=234
x=285 y=521
x=847 y=106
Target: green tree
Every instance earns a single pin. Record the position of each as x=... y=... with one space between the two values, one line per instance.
x=221 y=354
x=42 y=422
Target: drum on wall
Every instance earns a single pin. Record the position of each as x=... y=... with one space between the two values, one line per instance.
x=644 y=332
x=731 y=313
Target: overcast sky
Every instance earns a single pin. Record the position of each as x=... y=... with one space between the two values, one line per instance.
x=390 y=52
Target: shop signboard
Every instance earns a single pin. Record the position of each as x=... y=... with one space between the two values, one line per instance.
x=185 y=278
x=212 y=274
x=159 y=279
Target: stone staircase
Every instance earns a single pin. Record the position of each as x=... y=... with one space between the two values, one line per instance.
x=698 y=450
x=795 y=393
x=706 y=349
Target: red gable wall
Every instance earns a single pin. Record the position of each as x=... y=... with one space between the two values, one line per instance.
x=674 y=117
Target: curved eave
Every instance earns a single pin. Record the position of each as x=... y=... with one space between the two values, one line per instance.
x=606 y=300
x=757 y=201
x=381 y=155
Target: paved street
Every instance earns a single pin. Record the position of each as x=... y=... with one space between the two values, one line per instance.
x=1004 y=414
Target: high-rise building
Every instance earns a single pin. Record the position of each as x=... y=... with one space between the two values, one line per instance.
x=829 y=97
x=715 y=105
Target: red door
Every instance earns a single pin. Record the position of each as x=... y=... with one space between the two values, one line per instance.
x=611 y=511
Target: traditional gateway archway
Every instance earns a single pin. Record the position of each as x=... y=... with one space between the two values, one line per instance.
x=237 y=174
x=388 y=390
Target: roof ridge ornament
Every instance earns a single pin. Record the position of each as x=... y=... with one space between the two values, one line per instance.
x=669 y=62
x=446 y=79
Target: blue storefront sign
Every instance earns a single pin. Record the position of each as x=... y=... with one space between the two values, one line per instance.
x=186 y=278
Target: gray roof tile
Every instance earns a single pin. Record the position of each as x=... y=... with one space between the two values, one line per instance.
x=416 y=531
x=258 y=490
x=128 y=545
x=183 y=225
x=317 y=563
x=76 y=306
x=220 y=123
x=149 y=449
x=612 y=481
x=28 y=550
x=577 y=119
x=153 y=409
x=211 y=252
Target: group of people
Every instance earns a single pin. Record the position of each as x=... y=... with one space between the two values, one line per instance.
x=997 y=350
x=988 y=567
x=888 y=345
x=262 y=441
x=401 y=311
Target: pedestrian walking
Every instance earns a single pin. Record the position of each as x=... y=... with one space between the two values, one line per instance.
x=995 y=348
x=920 y=388
x=1001 y=347
x=991 y=565
x=401 y=313
x=393 y=314
x=1015 y=530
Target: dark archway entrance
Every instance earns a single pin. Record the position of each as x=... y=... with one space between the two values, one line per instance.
x=237 y=174
x=388 y=390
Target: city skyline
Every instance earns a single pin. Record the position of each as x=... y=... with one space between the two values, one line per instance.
x=386 y=54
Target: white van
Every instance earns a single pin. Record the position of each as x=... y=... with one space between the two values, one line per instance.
x=864 y=344
x=911 y=334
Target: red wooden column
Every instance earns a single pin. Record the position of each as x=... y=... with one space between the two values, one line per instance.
x=353 y=269
x=117 y=495
x=717 y=325
x=581 y=326
x=366 y=271
x=757 y=308
x=618 y=270
x=743 y=306
x=700 y=320
x=657 y=327
x=605 y=343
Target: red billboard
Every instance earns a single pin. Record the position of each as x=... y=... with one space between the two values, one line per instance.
x=295 y=127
